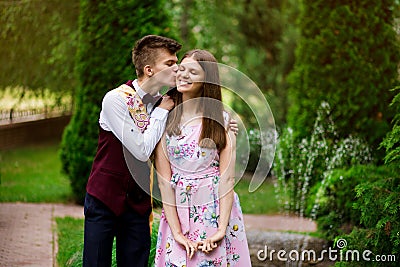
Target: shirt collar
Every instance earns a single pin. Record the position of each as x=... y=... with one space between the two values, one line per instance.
x=139 y=90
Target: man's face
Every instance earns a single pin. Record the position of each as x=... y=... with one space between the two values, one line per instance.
x=165 y=68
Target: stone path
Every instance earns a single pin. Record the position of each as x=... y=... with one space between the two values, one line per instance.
x=27 y=231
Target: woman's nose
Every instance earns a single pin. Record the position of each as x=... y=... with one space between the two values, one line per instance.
x=183 y=73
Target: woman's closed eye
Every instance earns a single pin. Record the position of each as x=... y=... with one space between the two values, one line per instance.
x=191 y=71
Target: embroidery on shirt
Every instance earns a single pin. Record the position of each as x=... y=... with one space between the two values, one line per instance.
x=136 y=108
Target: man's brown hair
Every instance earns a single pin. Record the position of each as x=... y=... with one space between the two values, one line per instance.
x=145 y=51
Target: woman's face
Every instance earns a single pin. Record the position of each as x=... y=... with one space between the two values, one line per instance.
x=190 y=77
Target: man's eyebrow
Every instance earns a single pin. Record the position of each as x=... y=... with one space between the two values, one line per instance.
x=171 y=61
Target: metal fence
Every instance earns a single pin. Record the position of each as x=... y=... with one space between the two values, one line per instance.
x=19 y=115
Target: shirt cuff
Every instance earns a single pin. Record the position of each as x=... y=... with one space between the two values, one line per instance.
x=159 y=113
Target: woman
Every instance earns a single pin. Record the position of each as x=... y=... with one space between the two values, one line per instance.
x=202 y=223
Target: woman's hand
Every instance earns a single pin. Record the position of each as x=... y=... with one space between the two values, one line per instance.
x=167 y=103
x=211 y=243
x=190 y=246
x=233 y=126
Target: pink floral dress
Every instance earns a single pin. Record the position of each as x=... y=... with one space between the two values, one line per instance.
x=195 y=178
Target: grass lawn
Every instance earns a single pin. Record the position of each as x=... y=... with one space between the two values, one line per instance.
x=262 y=201
x=70 y=242
x=33 y=174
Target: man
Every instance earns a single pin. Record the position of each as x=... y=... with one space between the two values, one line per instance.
x=130 y=128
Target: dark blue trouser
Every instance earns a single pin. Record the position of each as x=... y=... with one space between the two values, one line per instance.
x=131 y=230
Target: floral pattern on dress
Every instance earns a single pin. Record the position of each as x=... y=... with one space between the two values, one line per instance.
x=184 y=150
x=210 y=217
x=236 y=229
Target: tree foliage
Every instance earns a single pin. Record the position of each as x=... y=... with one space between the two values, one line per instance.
x=370 y=197
x=267 y=51
x=108 y=30
x=38 y=44
x=362 y=205
x=392 y=140
x=255 y=36
x=348 y=56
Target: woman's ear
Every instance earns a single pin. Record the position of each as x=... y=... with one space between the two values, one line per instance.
x=148 y=71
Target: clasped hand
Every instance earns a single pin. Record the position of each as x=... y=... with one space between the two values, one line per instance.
x=206 y=245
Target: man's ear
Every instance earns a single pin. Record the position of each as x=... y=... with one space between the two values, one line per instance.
x=148 y=71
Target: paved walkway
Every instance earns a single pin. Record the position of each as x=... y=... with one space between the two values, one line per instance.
x=27 y=231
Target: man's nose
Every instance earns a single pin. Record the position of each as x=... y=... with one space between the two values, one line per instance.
x=175 y=67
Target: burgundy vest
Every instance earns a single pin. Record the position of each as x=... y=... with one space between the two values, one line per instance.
x=113 y=182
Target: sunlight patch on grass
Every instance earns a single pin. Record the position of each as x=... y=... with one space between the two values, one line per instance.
x=262 y=201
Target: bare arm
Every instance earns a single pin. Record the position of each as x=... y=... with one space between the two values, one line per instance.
x=168 y=197
x=226 y=194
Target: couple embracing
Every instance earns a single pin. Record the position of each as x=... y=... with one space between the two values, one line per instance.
x=193 y=142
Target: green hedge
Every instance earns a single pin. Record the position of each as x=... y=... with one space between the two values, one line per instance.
x=362 y=206
x=392 y=140
x=108 y=31
x=348 y=56
x=336 y=213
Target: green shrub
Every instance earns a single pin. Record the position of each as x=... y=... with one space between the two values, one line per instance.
x=377 y=201
x=347 y=55
x=379 y=204
x=108 y=30
x=299 y=166
x=392 y=140
x=334 y=203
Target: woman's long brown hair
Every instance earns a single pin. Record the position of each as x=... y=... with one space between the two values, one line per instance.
x=213 y=133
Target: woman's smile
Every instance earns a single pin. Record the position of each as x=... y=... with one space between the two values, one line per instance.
x=184 y=83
